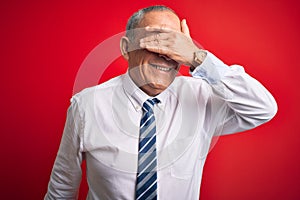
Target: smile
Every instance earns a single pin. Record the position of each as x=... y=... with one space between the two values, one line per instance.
x=165 y=69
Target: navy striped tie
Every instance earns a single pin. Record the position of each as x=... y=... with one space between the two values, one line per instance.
x=146 y=187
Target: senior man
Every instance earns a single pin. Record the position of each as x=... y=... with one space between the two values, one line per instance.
x=146 y=134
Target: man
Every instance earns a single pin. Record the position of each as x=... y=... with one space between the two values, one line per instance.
x=146 y=134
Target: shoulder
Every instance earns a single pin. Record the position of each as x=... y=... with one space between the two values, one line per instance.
x=103 y=90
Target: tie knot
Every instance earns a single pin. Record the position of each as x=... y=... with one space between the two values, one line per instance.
x=149 y=104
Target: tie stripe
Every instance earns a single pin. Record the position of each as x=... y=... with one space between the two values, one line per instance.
x=144 y=130
x=148 y=159
x=146 y=188
x=147 y=119
x=148 y=168
x=149 y=140
x=149 y=187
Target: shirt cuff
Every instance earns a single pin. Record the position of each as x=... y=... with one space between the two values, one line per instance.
x=212 y=69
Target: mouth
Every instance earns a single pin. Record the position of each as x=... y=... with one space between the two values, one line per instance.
x=162 y=68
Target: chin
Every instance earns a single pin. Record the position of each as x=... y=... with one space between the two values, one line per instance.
x=153 y=89
x=159 y=86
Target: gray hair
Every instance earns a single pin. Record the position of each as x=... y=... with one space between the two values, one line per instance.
x=137 y=17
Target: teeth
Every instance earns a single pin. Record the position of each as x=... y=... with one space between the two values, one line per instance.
x=162 y=68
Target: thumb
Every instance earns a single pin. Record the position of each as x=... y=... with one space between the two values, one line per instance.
x=184 y=28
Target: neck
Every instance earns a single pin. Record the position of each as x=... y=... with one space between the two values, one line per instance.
x=152 y=92
x=149 y=88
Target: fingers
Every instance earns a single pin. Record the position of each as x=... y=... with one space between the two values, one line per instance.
x=185 y=29
x=155 y=45
x=158 y=49
x=157 y=40
x=154 y=42
x=154 y=37
x=161 y=29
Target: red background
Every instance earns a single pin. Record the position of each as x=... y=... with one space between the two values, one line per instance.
x=44 y=43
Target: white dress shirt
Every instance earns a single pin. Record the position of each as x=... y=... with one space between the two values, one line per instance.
x=102 y=127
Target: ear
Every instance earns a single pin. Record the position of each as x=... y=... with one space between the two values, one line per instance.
x=124 y=46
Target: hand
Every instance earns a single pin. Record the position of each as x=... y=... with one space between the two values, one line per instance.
x=178 y=46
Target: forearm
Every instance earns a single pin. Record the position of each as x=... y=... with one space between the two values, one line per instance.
x=66 y=173
x=250 y=103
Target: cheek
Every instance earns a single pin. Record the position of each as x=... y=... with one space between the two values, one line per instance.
x=147 y=73
x=136 y=58
x=132 y=61
x=157 y=77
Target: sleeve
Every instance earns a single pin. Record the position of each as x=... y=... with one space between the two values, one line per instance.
x=238 y=102
x=66 y=173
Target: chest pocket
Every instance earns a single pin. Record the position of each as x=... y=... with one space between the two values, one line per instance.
x=185 y=155
x=185 y=160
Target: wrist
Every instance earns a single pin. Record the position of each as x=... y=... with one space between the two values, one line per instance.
x=199 y=57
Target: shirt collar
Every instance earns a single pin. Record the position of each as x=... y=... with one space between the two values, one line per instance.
x=137 y=97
